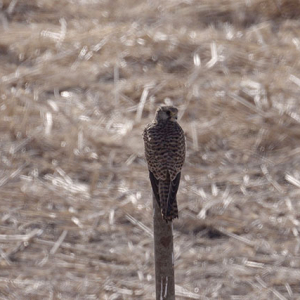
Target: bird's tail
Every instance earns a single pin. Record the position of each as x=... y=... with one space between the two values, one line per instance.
x=168 y=204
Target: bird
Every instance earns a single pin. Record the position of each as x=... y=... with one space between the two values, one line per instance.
x=165 y=154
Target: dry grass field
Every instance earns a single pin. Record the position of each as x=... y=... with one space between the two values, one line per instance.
x=79 y=80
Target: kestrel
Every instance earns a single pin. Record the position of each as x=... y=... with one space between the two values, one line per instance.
x=165 y=152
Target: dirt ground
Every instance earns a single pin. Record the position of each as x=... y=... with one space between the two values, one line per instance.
x=80 y=79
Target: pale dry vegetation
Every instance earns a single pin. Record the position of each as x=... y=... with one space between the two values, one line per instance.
x=80 y=79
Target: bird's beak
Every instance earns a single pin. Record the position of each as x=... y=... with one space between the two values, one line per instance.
x=173 y=116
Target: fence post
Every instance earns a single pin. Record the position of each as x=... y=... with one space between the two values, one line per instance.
x=163 y=255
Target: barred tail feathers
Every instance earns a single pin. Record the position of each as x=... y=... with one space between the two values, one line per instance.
x=167 y=194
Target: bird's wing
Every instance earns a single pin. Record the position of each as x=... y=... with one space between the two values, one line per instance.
x=173 y=188
x=154 y=184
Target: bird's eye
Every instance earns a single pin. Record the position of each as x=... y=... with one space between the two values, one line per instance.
x=168 y=113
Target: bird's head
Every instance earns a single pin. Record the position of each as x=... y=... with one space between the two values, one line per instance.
x=166 y=113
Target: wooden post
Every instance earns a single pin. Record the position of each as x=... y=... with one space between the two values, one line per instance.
x=164 y=256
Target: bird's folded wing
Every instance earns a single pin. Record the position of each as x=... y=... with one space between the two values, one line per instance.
x=173 y=191
x=154 y=184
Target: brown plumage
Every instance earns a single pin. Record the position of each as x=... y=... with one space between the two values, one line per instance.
x=165 y=152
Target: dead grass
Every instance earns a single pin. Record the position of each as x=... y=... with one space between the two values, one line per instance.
x=79 y=80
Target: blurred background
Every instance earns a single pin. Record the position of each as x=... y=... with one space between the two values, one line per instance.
x=79 y=81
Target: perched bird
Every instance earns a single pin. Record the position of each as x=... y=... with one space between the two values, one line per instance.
x=165 y=152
